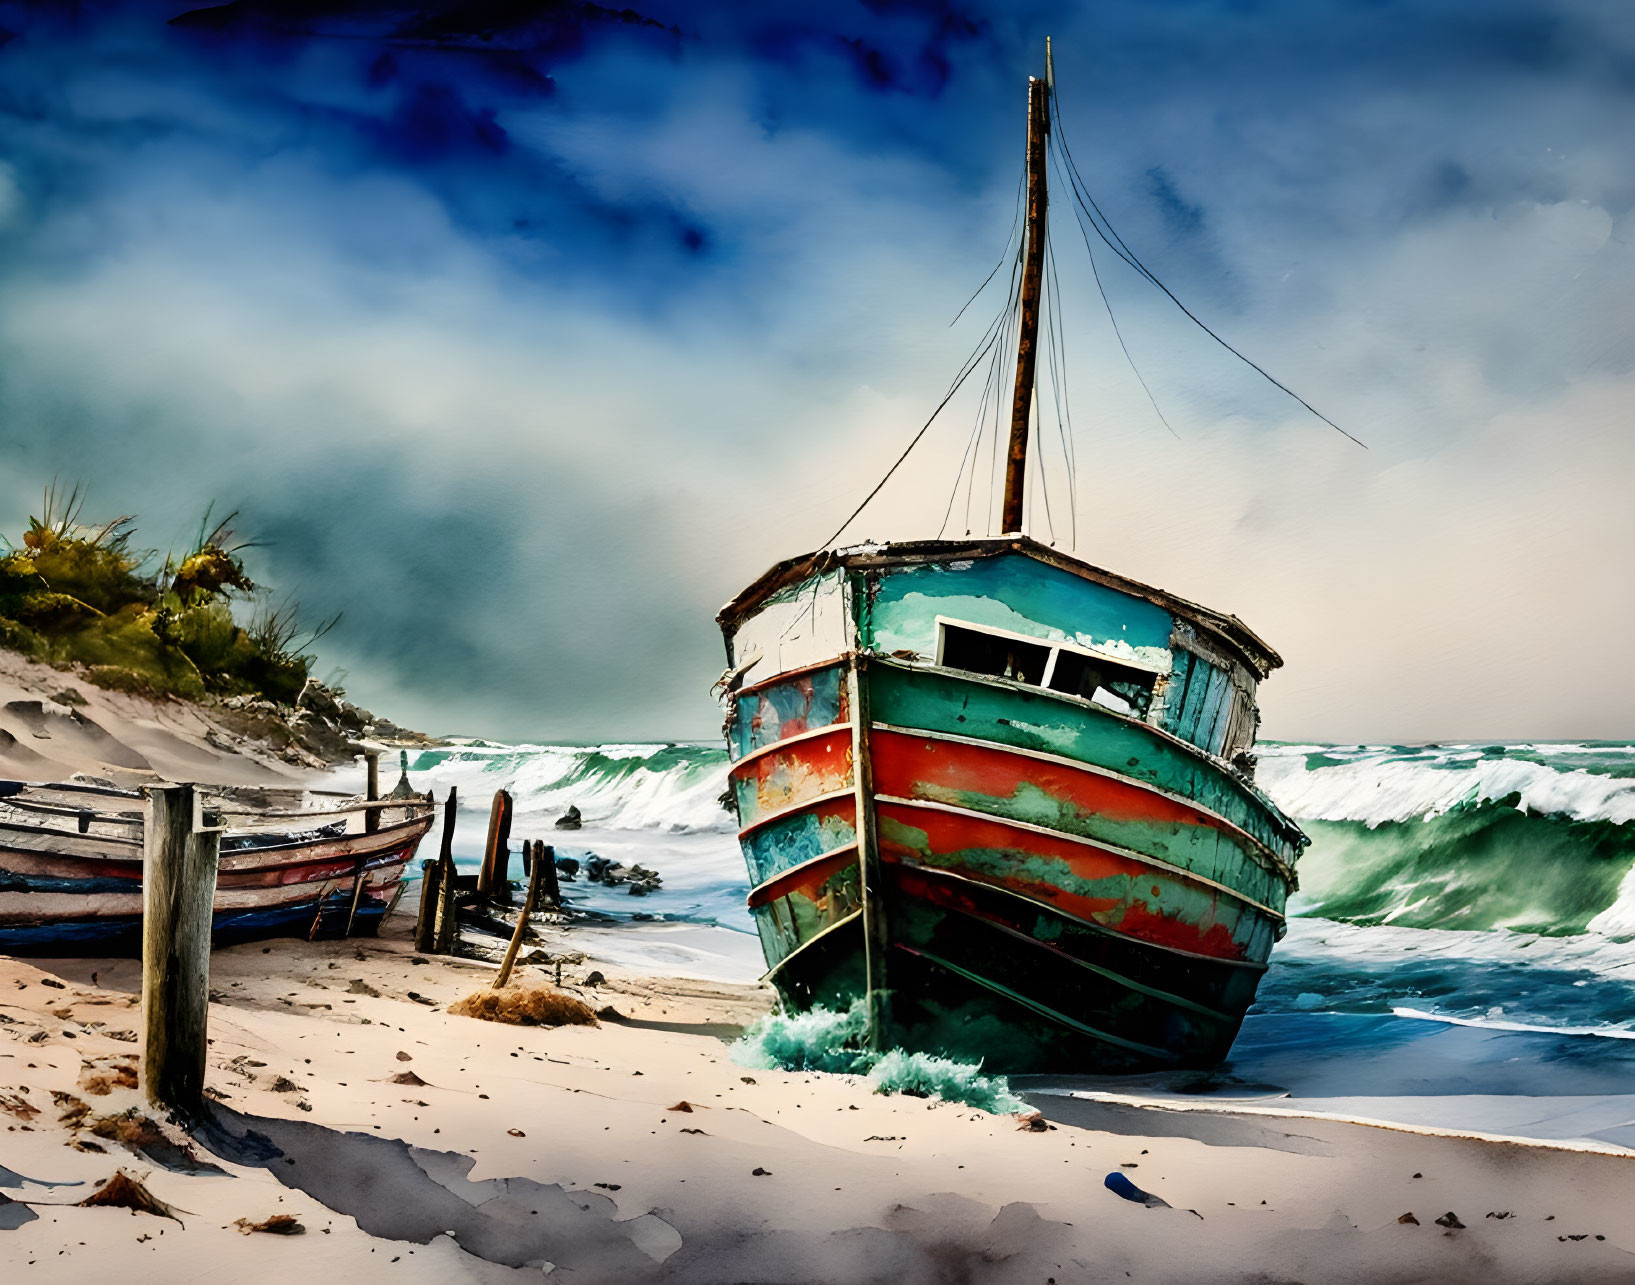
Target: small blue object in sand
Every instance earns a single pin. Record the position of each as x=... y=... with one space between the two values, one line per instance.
x=1119 y=1185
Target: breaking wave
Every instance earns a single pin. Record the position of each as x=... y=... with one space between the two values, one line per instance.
x=1529 y=838
x=674 y=788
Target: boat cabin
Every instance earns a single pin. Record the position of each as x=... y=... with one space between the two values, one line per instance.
x=1015 y=610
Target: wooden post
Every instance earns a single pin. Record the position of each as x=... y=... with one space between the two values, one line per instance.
x=545 y=855
x=357 y=895
x=178 y=897
x=528 y=901
x=371 y=791
x=1027 y=349
x=495 y=877
x=425 y=926
x=448 y=914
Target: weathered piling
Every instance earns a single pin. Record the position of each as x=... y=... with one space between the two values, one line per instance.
x=494 y=880
x=371 y=818
x=178 y=897
x=528 y=902
x=545 y=855
x=448 y=914
x=425 y=926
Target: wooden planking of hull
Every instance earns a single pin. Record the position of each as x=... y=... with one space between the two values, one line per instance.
x=65 y=892
x=1066 y=890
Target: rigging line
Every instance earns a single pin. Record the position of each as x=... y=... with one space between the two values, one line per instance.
x=1058 y=385
x=993 y=455
x=1007 y=344
x=1067 y=401
x=1058 y=362
x=972 y=444
x=1055 y=395
x=1123 y=347
x=1015 y=219
x=1041 y=482
x=959 y=476
x=1129 y=256
x=915 y=441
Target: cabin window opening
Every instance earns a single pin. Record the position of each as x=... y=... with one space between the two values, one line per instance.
x=1123 y=689
x=985 y=653
x=1103 y=680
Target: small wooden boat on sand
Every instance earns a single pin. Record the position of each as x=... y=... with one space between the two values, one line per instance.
x=1001 y=795
x=302 y=864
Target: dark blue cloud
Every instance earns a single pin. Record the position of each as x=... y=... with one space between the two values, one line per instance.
x=693 y=186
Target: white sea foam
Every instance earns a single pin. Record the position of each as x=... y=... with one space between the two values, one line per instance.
x=674 y=788
x=1375 y=784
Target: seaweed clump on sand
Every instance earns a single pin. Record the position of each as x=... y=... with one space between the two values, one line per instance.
x=526 y=1006
x=831 y=1040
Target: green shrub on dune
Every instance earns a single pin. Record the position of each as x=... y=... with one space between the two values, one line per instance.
x=78 y=595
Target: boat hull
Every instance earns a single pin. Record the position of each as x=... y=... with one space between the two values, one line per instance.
x=1059 y=888
x=63 y=893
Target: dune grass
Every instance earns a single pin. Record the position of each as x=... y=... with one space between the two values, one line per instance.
x=79 y=594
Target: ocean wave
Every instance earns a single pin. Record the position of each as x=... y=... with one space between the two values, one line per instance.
x=673 y=787
x=1529 y=837
x=1477 y=865
x=1377 y=784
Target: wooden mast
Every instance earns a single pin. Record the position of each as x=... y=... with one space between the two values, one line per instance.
x=1033 y=264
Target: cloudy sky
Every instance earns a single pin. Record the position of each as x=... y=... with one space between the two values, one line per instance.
x=526 y=333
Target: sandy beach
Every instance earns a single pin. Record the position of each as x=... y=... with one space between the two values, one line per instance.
x=416 y=1145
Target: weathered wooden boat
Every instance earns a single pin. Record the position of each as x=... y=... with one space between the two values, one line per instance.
x=71 y=866
x=1002 y=795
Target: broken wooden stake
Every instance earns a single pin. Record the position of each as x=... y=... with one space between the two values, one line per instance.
x=494 y=878
x=528 y=901
x=178 y=898
x=545 y=854
x=371 y=817
x=425 y=925
x=448 y=913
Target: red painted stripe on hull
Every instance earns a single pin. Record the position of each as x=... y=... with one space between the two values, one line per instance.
x=917 y=767
x=812 y=874
x=949 y=835
x=781 y=776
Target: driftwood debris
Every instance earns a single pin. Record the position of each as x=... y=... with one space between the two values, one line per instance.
x=124 y=1192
